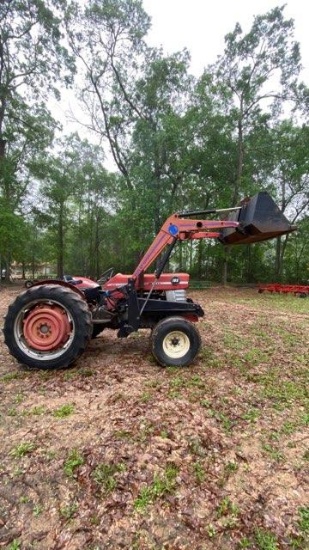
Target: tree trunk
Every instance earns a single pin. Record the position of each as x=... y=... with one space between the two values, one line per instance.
x=278 y=262
x=237 y=186
x=227 y=252
x=199 y=259
x=60 y=255
x=2 y=148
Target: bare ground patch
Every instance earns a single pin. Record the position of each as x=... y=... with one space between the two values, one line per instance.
x=117 y=452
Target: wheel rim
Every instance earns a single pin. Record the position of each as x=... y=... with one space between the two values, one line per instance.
x=44 y=329
x=176 y=344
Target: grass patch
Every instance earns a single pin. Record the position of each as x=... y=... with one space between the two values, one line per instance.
x=38 y=411
x=73 y=461
x=233 y=341
x=301 y=540
x=284 y=392
x=69 y=510
x=19 y=397
x=15 y=545
x=303 y=522
x=161 y=485
x=255 y=356
x=105 y=475
x=12 y=376
x=273 y=452
x=252 y=415
x=64 y=411
x=23 y=449
x=285 y=302
x=37 y=510
x=265 y=540
x=227 y=507
x=199 y=472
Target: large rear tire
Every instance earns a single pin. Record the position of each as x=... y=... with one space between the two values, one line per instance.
x=175 y=342
x=47 y=327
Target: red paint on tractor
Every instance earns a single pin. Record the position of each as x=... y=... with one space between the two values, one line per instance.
x=167 y=281
x=46 y=328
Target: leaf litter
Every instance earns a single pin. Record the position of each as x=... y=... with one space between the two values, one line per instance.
x=117 y=452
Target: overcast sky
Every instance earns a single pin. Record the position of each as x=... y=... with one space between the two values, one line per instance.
x=200 y=25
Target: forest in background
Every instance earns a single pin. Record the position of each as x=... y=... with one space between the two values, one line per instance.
x=177 y=142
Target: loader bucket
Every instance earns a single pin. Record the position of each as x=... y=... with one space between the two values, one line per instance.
x=260 y=219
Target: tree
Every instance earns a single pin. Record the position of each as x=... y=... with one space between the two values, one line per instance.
x=290 y=177
x=13 y=236
x=76 y=202
x=136 y=100
x=258 y=74
x=107 y=39
x=32 y=59
x=252 y=83
x=296 y=266
x=93 y=205
x=57 y=173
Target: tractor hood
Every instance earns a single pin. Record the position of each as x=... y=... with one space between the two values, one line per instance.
x=260 y=219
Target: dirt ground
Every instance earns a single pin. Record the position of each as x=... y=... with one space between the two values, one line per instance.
x=119 y=453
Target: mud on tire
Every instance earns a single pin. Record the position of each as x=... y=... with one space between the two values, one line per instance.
x=47 y=327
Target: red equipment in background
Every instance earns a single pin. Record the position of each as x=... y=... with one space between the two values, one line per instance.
x=297 y=290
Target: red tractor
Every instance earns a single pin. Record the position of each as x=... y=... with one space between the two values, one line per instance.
x=50 y=324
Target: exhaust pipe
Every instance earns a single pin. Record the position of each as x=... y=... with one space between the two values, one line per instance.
x=260 y=219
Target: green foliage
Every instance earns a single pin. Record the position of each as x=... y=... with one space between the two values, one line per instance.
x=177 y=142
x=296 y=266
x=303 y=521
x=64 y=411
x=13 y=233
x=106 y=475
x=32 y=59
x=69 y=510
x=161 y=485
x=23 y=449
x=265 y=540
x=73 y=461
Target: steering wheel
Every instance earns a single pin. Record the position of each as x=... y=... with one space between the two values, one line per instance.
x=106 y=276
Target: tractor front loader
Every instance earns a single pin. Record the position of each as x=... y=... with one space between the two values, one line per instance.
x=50 y=324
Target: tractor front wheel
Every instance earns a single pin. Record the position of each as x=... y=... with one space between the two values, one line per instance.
x=47 y=327
x=175 y=342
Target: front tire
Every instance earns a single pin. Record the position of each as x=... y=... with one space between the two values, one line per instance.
x=175 y=342
x=47 y=327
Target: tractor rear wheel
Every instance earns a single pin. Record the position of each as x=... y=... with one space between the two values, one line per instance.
x=175 y=342
x=47 y=327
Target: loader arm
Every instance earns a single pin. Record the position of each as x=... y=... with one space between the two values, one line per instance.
x=176 y=228
x=256 y=219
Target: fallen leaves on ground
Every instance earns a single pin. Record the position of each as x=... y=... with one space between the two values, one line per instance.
x=118 y=452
